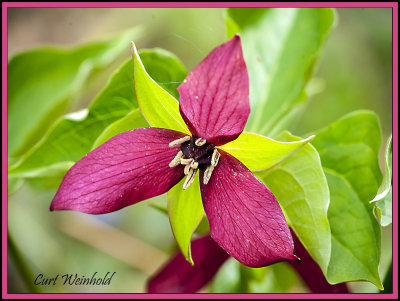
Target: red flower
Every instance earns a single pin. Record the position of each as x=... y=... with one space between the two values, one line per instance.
x=245 y=218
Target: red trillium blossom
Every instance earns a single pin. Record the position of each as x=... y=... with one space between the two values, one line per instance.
x=244 y=216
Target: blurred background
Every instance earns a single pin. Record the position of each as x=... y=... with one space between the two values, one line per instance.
x=355 y=72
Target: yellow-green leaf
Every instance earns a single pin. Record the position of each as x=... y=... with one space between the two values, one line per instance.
x=159 y=107
x=185 y=210
x=258 y=152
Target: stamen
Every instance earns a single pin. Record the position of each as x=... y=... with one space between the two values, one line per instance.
x=194 y=164
x=207 y=174
x=185 y=161
x=189 y=178
x=200 y=142
x=187 y=169
x=177 y=160
x=179 y=141
x=215 y=157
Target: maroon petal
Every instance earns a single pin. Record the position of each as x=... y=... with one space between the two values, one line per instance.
x=179 y=276
x=214 y=98
x=245 y=218
x=130 y=167
x=311 y=273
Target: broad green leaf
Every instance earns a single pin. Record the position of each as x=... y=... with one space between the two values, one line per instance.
x=281 y=47
x=75 y=134
x=383 y=198
x=349 y=150
x=300 y=187
x=43 y=82
x=258 y=152
x=185 y=210
x=159 y=107
x=354 y=253
x=131 y=121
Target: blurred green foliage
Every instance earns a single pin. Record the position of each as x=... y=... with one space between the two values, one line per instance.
x=355 y=73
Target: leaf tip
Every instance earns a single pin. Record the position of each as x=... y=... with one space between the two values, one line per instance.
x=188 y=256
x=309 y=139
x=134 y=50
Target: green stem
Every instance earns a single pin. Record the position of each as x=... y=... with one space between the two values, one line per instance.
x=20 y=264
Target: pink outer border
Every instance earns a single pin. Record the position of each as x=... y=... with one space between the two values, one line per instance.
x=200 y=4
x=395 y=142
x=202 y=296
x=393 y=5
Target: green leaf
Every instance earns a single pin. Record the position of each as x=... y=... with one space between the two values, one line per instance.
x=349 y=150
x=75 y=134
x=258 y=152
x=355 y=252
x=159 y=107
x=185 y=210
x=131 y=121
x=383 y=198
x=281 y=47
x=301 y=189
x=42 y=84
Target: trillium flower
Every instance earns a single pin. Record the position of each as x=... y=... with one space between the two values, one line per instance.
x=244 y=216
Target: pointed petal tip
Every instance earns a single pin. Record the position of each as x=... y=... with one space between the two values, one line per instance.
x=214 y=97
x=297 y=259
x=249 y=235
x=120 y=173
x=53 y=206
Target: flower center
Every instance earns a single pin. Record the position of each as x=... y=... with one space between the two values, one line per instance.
x=196 y=153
